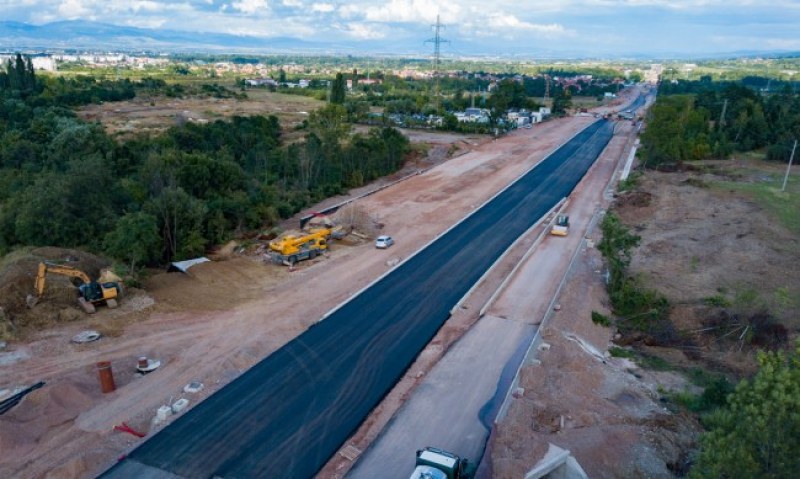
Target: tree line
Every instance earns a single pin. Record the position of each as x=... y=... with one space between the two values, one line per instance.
x=66 y=182
x=705 y=119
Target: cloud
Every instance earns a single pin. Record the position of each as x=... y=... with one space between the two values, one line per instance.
x=250 y=6
x=322 y=8
x=504 y=22
x=364 y=31
x=71 y=9
x=151 y=22
x=403 y=11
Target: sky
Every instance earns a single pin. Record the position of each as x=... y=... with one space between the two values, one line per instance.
x=580 y=27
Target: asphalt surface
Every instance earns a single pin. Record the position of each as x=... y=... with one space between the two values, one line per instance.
x=638 y=103
x=288 y=414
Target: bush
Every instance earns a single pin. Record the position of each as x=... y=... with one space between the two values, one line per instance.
x=718 y=300
x=629 y=183
x=637 y=308
x=600 y=319
x=617 y=352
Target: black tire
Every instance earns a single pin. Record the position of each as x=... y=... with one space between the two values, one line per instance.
x=312 y=254
x=292 y=260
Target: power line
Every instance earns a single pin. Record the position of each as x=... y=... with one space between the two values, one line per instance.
x=437 y=41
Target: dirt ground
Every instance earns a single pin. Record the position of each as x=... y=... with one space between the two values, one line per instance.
x=606 y=411
x=153 y=115
x=735 y=260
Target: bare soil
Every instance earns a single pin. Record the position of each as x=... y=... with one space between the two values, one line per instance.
x=154 y=115
x=606 y=411
x=726 y=263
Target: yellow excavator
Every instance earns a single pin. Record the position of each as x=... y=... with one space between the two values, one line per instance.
x=91 y=292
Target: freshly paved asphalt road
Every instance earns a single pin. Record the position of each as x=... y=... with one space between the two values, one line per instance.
x=288 y=414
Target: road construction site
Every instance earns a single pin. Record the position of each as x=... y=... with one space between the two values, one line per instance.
x=268 y=308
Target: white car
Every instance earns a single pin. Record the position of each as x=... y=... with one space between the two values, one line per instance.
x=383 y=242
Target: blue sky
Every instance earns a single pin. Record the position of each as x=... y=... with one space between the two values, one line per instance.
x=588 y=27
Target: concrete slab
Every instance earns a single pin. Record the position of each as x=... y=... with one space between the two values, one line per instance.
x=461 y=392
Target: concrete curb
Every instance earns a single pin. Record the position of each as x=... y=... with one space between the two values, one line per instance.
x=504 y=255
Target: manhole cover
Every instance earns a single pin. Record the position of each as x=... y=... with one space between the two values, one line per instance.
x=86 y=337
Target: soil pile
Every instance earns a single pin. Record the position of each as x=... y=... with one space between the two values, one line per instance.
x=17 y=274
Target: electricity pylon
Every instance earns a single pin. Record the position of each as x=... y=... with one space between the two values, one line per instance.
x=437 y=41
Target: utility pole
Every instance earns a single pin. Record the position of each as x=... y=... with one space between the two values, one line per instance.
x=788 y=168
x=722 y=116
x=437 y=41
x=546 y=88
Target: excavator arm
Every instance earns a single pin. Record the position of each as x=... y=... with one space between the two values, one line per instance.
x=91 y=291
x=44 y=268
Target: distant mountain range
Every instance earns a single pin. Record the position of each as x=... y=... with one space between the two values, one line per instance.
x=96 y=36
x=77 y=34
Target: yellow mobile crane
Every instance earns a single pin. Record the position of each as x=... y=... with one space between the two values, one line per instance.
x=91 y=292
x=292 y=249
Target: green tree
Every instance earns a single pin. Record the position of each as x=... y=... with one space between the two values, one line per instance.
x=180 y=218
x=338 y=88
x=562 y=102
x=135 y=239
x=757 y=435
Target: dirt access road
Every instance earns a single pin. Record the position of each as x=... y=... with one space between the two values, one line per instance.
x=224 y=317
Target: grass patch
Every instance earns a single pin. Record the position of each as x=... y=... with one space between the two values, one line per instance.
x=715 y=394
x=654 y=363
x=697 y=183
x=783 y=205
x=600 y=319
x=618 y=352
x=718 y=300
x=629 y=183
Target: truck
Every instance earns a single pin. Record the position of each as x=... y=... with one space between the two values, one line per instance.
x=561 y=226
x=291 y=249
x=433 y=463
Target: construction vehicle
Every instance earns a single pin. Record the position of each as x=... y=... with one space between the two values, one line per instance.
x=433 y=463
x=561 y=226
x=91 y=292
x=291 y=249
